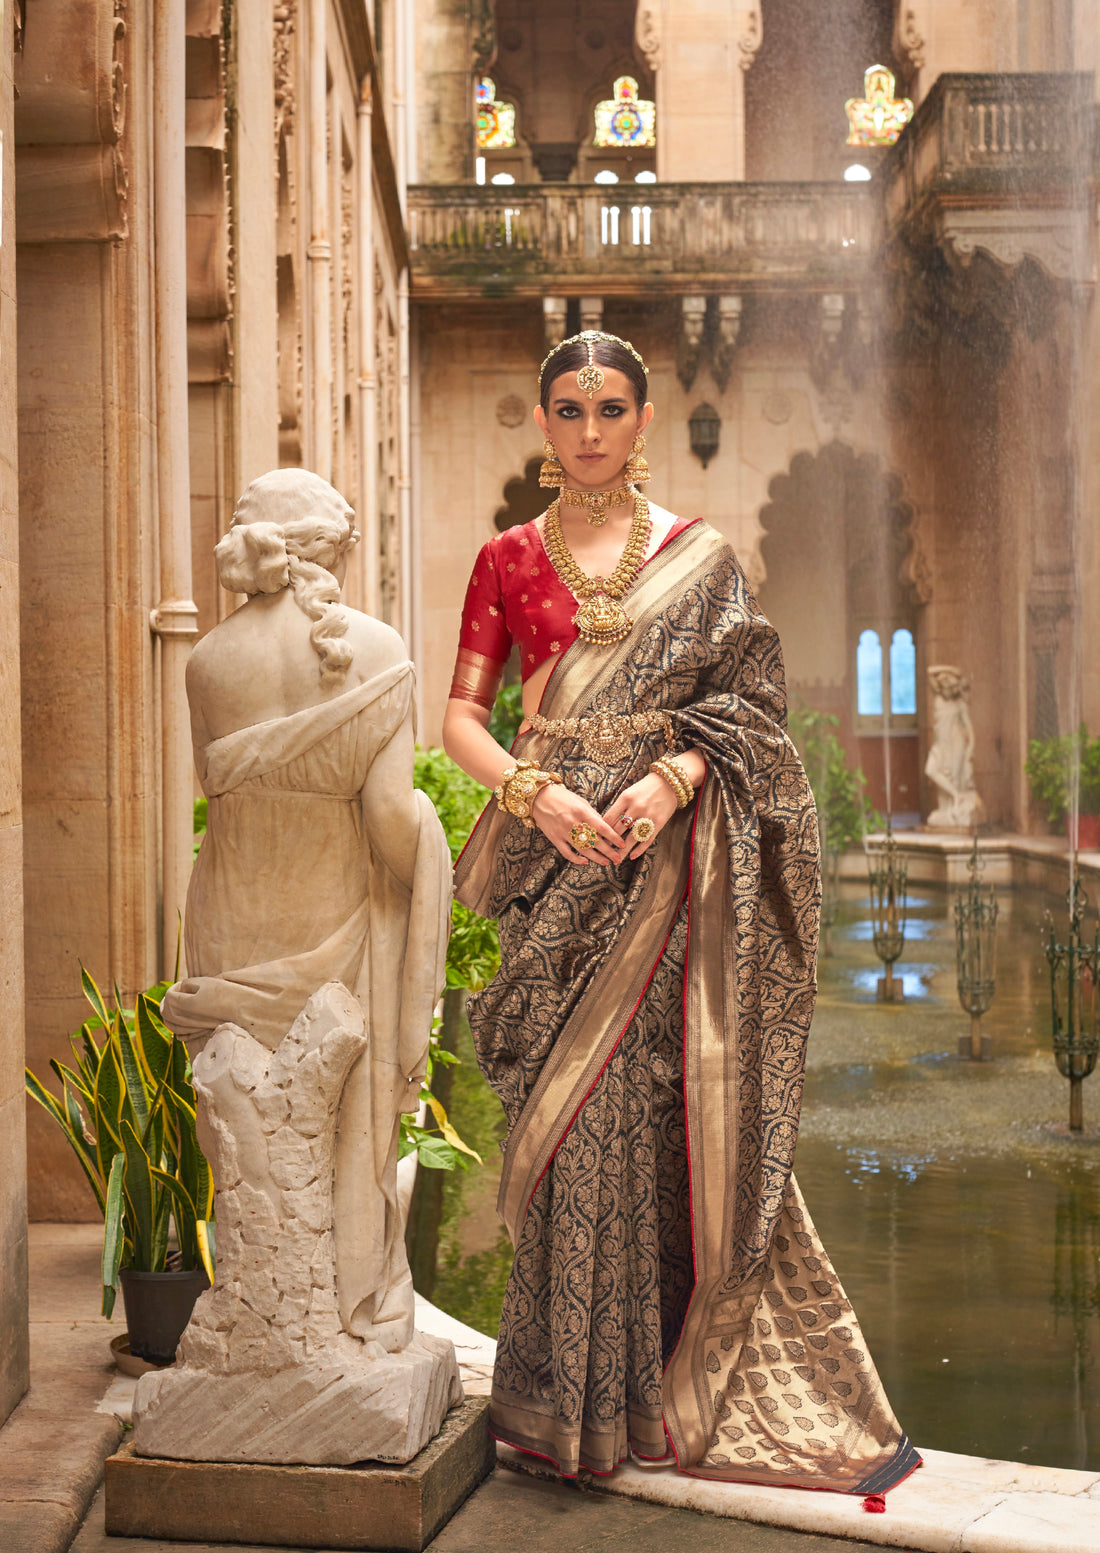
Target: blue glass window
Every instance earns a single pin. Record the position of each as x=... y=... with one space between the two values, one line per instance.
x=903 y=674
x=869 y=675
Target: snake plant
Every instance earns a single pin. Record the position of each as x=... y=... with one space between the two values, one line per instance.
x=127 y=1107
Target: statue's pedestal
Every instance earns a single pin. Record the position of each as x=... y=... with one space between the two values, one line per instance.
x=324 y=1413
x=369 y=1506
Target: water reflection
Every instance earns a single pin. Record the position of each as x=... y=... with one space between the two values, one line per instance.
x=967 y=1236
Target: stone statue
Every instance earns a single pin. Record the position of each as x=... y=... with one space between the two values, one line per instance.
x=315 y=941
x=950 y=761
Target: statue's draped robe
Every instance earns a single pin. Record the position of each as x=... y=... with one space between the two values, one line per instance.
x=646 y=1034
x=285 y=896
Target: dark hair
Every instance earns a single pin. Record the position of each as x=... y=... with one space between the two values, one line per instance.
x=573 y=355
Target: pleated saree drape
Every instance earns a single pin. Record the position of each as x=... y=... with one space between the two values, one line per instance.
x=646 y=1034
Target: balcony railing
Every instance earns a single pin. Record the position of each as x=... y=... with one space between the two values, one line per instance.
x=1014 y=137
x=622 y=240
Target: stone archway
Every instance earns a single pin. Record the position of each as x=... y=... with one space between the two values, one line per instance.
x=837 y=549
x=524 y=498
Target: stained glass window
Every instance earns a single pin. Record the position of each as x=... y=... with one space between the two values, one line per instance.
x=903 y=674
x=625 y=119
x=878 y=118
x=496 y=121
x=869 y=675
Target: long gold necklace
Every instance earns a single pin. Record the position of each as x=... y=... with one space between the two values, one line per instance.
x=601 y=619
x=597 y=504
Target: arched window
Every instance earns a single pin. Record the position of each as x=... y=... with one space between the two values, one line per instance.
x=624 y=119
x=496 y=121
x=869 y=675
x=903 y=674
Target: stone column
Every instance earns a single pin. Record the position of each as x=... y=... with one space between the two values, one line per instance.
x=700 y=52
x=319 y=251
x=367 y=381
x=175 y=617
x=14 y=1372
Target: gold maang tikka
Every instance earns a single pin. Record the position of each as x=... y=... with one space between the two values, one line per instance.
x=590 y=379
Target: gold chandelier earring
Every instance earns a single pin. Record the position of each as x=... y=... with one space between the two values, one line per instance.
x=637 y=470
x=552 y=474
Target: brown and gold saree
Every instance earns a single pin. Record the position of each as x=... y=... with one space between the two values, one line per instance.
x=646 y=1035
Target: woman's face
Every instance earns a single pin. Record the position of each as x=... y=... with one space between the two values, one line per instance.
x=593 y=436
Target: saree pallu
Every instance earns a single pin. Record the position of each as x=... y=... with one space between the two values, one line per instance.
x=646 y=1034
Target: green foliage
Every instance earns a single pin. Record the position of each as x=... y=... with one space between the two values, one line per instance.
x=843 y=814
x=473 y=954
x=198 y=824
x=127 y=1107
x=507 y=714
x=1050 y=766
x=470 y=1285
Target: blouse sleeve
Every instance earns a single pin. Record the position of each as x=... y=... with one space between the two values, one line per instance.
x=484 y=641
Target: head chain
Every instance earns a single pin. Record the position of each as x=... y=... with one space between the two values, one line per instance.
x=589 y=337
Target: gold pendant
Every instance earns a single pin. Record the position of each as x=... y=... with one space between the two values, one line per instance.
x=602 y=621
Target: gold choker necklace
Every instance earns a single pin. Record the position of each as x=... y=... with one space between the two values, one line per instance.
x=598 y=504
x=601 y=618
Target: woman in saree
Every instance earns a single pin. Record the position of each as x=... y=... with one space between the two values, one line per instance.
x=652 y=862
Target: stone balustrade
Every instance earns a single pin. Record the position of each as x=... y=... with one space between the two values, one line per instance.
x=623 y=239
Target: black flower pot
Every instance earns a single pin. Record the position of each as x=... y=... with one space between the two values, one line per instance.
x=158 y=1307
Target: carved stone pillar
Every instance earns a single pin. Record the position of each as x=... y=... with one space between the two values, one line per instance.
x=700 y=53
x=591 y=312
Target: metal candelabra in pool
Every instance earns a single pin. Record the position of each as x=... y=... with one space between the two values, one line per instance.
x=976 y=957
x=1075 y=1001
x=975 y=937
x=887 y=877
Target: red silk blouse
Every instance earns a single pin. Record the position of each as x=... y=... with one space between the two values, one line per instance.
x=514 y=596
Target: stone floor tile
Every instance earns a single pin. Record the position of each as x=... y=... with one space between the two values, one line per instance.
x=1009 y=1476
x=1038 y=1523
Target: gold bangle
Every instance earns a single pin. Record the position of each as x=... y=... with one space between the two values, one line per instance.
x=677 y=778
x=518 y=788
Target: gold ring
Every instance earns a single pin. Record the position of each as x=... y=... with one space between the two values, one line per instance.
x=627 y=820
x=583 y=836
x=642 y=829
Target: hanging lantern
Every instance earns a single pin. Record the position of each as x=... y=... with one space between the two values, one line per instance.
x=976 y=957
x=704 y=427
x=1074 y=1004
x=887 y=876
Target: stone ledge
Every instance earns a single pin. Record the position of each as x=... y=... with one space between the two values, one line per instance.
x=953 y=1504
x=363 y=1507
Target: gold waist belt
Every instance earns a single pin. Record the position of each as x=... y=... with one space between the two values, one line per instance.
x=606 y=737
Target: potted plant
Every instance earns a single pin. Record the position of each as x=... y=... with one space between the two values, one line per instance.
x=1050 y=768
x=127 y=1107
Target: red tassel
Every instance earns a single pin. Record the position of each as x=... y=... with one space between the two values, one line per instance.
x=875 y=1504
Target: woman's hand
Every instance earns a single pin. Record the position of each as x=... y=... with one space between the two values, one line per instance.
x=556 y=809
x=650 y=799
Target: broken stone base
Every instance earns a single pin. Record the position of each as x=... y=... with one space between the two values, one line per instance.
x=362 y=1507
x=321 y=1414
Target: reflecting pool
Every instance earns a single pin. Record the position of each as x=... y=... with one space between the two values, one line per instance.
x=965 y=1233
x=967 y=1236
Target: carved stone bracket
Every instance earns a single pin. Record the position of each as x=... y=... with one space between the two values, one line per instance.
x=553 y=320
x=1055 y=239
x=591 y=312
x=69 y=118
x=726 y=332
x=830 y=325
x=647 y=32
x=750 y=35
x=483 y=40
x=689 y=344
x=909 y=29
